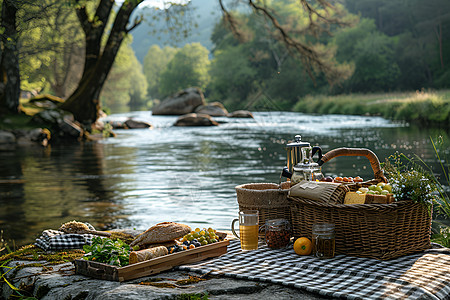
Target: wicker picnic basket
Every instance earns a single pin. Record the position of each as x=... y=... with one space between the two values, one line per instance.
x=381 y=231
x=270 y=199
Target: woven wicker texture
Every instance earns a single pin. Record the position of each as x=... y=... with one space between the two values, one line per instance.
x=381 y=231
x=269 y=199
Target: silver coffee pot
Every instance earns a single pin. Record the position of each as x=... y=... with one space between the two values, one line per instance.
x=300 y=155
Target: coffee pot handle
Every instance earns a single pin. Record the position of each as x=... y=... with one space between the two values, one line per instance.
x=286 y=173
x=318 y=150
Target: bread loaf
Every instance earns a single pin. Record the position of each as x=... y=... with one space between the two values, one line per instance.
x=147 y=254
x=160 y=233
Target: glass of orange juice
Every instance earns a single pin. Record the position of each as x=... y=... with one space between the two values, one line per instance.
x=248 y=229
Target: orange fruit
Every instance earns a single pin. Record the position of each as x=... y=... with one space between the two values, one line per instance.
x=303 y=246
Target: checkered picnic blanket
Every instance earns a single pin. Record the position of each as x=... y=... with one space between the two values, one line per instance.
x=424 y=275
x=51 y=240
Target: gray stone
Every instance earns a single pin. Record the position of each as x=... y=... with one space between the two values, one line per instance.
x=7 y=137
x=133 y=124
x=35 y=136
x=194 y=119
x=48 y=116
x=61 y=283
x=71 y=129
x=240 y=114
x=214 y=109
x=181 y=103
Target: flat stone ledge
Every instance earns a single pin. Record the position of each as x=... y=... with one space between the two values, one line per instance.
x=61 y=283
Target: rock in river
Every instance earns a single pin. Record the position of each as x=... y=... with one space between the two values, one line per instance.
x=240 y=114
x=133 y=124
x=195 y=120
x=183 y=102
x=214 y=109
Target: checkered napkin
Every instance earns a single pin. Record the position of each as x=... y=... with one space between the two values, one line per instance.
x=420 y=276
x=52 y=240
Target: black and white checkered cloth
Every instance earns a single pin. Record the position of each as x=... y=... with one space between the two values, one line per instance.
x=52 y=240
x=424 y=275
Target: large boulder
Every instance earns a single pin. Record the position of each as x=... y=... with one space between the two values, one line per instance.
x=194 y=119
x=214 y=109
x=183 y=102
x=61 y=122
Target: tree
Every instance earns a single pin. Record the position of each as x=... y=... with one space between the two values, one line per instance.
x=189 y=67
x=84 y=102
x=155 y=63
x=232 y=76
x=125 y=79
x=422 y=28
x=373 y=55
x=300 y=38
x=138 y=89
x=51 y=47
x=9 y=61
x=100 y=52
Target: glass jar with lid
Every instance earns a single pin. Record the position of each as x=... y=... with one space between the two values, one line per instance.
x=277 y=233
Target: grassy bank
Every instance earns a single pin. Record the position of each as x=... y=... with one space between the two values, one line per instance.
x=428 y=108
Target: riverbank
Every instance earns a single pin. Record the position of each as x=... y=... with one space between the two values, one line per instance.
x=45 y=280
x=424 y=108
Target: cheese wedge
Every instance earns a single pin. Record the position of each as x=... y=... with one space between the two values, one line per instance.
x=354 y=198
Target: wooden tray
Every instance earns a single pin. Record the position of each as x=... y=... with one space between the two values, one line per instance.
x=149 y=267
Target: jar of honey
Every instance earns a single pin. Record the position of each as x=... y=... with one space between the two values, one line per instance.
x=278 y=233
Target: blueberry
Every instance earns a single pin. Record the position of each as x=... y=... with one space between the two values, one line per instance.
x=195 y=240
x=197 y=244
x=187 y=243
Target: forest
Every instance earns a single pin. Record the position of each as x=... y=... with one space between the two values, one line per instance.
x=365 y=46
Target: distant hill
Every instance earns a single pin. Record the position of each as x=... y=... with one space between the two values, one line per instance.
x=205 y=13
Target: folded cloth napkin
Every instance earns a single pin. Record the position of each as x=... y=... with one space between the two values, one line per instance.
x=52 y=240
x=327 y=192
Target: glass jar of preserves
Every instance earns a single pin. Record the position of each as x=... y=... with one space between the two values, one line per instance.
x=277 y=233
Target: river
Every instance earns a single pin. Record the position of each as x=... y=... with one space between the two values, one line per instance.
x=182 y=174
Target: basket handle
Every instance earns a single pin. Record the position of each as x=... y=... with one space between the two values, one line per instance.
x=373 y=159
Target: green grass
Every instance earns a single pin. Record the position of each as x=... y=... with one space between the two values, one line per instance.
x=22 y=120
x=421 y=107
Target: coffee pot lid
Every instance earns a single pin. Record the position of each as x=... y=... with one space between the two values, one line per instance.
x=298 y=142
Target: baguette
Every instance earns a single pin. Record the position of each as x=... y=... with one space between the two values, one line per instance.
x=147 y=254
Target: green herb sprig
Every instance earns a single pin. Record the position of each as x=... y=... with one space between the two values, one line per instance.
x=104 y=250
x=409 y=180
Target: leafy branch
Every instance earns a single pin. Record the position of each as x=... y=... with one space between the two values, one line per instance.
x=313 y=57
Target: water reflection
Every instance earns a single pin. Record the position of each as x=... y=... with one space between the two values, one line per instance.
x=179 y=174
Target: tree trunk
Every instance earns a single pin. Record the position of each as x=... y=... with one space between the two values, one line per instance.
x=9 y=61
x=84 y=103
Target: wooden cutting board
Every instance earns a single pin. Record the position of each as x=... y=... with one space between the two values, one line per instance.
x=149 y=267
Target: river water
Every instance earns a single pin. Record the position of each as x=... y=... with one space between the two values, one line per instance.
x=181 y=174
